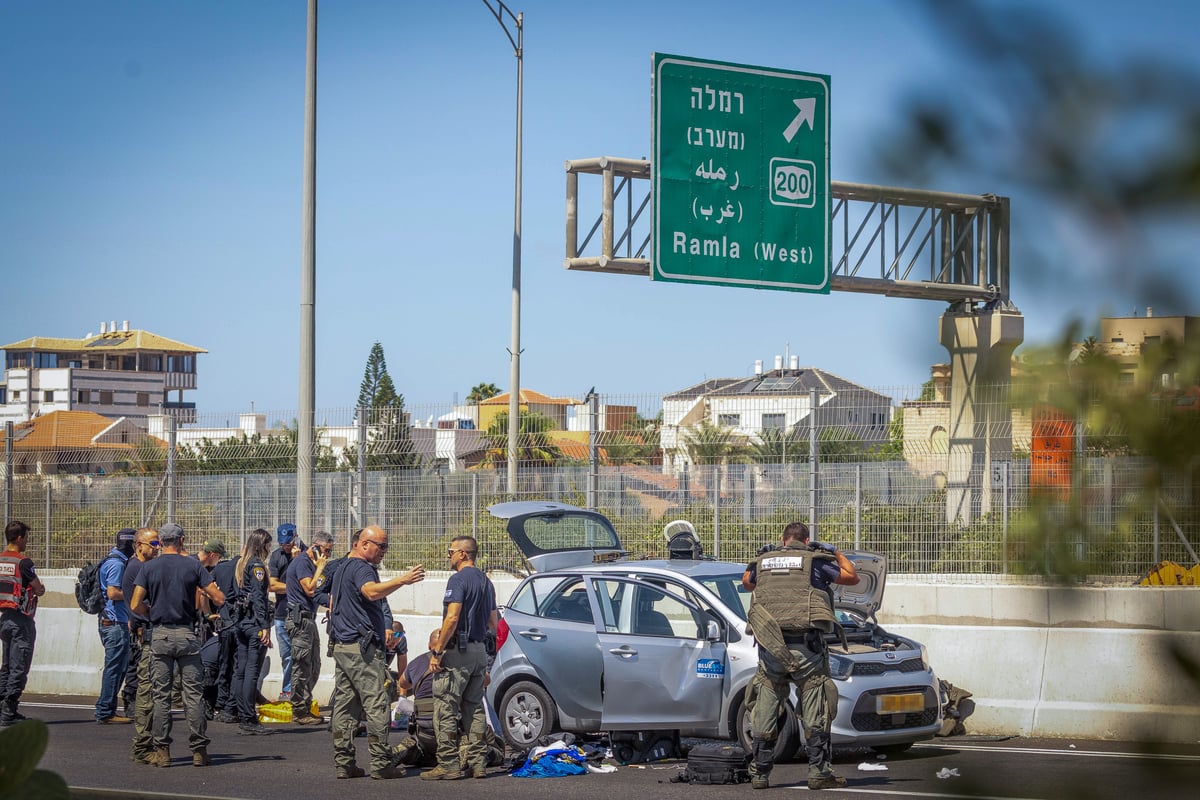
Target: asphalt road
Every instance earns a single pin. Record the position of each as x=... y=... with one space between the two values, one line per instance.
x=297 y=763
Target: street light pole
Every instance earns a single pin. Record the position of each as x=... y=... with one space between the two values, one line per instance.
x=504 y=16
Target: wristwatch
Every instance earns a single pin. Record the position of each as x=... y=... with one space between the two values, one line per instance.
x=438 y=653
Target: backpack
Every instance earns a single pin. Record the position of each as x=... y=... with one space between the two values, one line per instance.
x=717 y=763
x=88 y=594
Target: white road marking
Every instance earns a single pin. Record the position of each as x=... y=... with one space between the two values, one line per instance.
x=1056 y=752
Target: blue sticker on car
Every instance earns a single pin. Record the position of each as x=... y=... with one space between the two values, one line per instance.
x=710 y=668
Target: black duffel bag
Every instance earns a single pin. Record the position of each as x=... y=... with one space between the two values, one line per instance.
x=717 y=763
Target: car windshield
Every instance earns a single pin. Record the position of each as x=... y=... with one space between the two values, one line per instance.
x=729 y=588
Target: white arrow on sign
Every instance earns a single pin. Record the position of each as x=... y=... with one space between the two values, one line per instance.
x=807 y=106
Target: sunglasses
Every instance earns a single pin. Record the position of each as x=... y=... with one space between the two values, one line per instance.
x=155 y=543
x=380 y=545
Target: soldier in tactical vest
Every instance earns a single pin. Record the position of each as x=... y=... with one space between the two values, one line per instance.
x=790 y=611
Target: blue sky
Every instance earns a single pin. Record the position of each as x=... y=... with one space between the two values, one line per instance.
x=151 y=157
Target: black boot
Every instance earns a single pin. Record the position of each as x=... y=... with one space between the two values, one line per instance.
x=761 y=762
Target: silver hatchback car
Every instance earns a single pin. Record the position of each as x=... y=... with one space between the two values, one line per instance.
x=592 y=641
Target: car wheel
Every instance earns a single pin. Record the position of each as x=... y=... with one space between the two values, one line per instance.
x=527 y=712
x=892 y=749
x=789 y=734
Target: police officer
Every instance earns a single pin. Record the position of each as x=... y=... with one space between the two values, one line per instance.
x=277 y=567
x=789 y=611
x=357 y=630
x=145 y=547
x=253 y=630
x=113 y=626
x=459 y=663
x=225 y=708
x=305 y=573
x=167 y=591
x=20 y=587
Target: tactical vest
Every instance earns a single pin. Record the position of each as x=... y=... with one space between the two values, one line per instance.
x=13 y=591
x=783 y=586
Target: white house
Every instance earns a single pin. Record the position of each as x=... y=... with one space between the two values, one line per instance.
x=778 y=399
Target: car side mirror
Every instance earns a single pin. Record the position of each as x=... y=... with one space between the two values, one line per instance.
x=712 y=631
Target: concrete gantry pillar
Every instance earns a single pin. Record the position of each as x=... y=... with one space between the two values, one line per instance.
x=981 y=343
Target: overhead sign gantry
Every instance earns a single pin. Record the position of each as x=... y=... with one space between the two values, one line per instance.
x=740 y=173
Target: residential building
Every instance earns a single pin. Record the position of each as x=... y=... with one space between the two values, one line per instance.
x=778 y=399
x=80 y=443
x=130 y=374
x=1127 y=339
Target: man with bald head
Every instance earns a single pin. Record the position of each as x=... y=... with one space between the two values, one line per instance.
x=357 y=630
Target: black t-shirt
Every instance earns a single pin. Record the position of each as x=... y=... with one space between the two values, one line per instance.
x=278 y=564
x=302 y=567
x=127 y=578
x=419 y=677
x=170 y=582
x=472 y=588
x=223 y=576
x=352 y=611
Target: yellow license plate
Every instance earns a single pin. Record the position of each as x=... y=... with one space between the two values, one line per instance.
x=899 y=703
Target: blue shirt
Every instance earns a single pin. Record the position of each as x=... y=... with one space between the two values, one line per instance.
x=472 y=588
x=111 y=572
x=301 y=568
x=352 y=613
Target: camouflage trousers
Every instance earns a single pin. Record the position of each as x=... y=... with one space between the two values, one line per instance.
x=818 y=706
x=458 y=708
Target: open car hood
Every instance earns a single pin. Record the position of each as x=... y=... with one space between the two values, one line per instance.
x=867 y=595
x=556 y=535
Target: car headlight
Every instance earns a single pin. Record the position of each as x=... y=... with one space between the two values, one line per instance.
x=839 y=667
x=925 y=657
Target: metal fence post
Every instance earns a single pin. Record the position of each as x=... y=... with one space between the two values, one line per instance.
x=858 y=503
x=328 y=521
x=716 y=468
x=747 y=495
x=1005 y=481
x=812 y=463
x=361 y=504
x=171 y=456
x=142 y=502
x=593 y=448
x=440 y=509
x=8 y=471
x=242 y=509
x=475 y=504
x=49 y=526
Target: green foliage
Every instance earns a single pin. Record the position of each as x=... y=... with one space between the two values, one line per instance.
x=275 y=452
x=21 y=747
x=482 y=391
x=638 y=441
x=779 y=446
x=389 y=441
x=535 y=446
x=707 y=443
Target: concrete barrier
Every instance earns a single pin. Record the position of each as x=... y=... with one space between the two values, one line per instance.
x=1087 y=663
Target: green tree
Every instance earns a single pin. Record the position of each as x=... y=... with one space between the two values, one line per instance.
x=712 y=444
x=535 y=446
x=779 y=446
x=274 y=452
x=482 y=391
x=637 y=442
x=389 y=440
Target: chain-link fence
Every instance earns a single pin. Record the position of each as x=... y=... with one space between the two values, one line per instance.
x=1028 y=493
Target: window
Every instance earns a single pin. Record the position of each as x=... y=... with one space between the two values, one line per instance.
x=128 y=363
x=143 y=399
x=45 y=360
x=151 y=362
x=16 y=394
x=774 y=422
x=729 y=420
x=636 y=608
x=106 y=397
x=3 y=395
x=83 y=397
x=18 y=360
x=939 y=441
x=48 y=396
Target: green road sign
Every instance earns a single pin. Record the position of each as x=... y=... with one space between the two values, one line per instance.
x=740 y=173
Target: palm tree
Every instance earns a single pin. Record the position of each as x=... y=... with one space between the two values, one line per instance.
x=481 y=392
x=779 y=446
x=711 y=444
x=535 y=446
